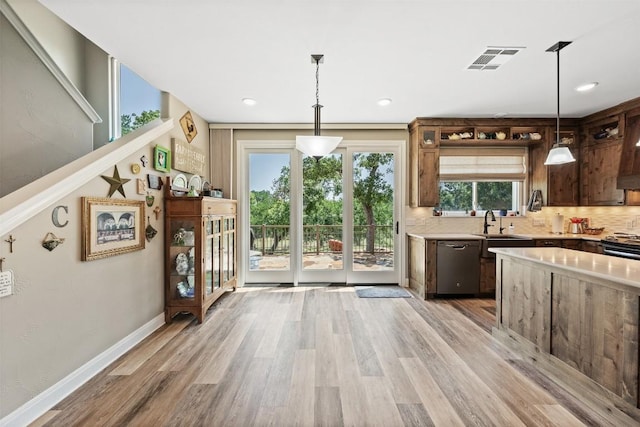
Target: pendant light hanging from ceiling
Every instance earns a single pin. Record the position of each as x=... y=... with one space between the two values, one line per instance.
x=316 y=145
x=559 y=153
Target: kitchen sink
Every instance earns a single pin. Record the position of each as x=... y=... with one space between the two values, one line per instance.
x=503 y=241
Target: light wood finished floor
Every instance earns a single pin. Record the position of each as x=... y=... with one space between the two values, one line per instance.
x=322 y=356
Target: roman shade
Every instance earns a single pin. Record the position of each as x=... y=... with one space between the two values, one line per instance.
x=483 y=164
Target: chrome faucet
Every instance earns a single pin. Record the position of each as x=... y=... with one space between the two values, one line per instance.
x=486 y=224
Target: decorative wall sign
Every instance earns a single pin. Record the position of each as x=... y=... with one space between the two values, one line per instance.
x=54 y=216
x=141 y=187
x=111 y=227
x=162 y=159
x=116 y=182
x=135 y=168
x=188 y=126
x=144 y=160
x=154 y=181
x=188 y=158
x=6 y=282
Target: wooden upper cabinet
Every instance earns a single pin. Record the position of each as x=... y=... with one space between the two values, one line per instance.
x=601 y=150
x=424 y=165
x=629 y=171
x=563 y=180
x=559 y=183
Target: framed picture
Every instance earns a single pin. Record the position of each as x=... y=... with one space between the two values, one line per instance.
x=162 y=159
x=111 y=227
x=188 y=126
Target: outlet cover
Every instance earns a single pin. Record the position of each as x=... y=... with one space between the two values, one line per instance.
x=538 y=222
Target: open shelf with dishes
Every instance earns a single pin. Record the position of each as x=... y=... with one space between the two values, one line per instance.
x=492 y=135
x=606 y=129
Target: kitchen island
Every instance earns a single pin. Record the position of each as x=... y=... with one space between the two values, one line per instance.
x=573 y=312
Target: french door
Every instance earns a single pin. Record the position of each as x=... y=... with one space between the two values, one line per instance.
x=331 y=220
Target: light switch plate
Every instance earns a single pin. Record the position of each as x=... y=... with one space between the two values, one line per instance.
x=538 y=222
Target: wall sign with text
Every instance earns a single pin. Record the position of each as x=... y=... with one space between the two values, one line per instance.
x=188 y=158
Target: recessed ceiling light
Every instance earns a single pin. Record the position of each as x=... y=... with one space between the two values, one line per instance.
x=249 y=101
x=383 y=102
x=586 y=87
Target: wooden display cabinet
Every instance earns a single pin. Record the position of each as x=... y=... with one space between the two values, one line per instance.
x=200 y=252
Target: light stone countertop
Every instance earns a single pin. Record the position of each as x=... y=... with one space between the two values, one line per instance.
x=619 y=270
x=446 y=236
x=468 y=236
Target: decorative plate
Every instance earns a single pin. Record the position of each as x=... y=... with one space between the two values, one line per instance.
x=195 y=182
x=179 y=181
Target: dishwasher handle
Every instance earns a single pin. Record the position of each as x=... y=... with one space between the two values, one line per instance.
x=458 y=247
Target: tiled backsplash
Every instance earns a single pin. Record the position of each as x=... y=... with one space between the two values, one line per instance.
x=613 y=218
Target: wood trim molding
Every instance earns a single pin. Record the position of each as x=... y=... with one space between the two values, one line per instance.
x=21 y=205
x=40 y=404
x=42 y=54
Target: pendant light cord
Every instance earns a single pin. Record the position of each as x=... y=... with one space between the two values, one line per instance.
x=558 y=100
x=317 y=81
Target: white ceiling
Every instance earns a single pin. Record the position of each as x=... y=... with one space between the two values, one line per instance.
x=212 y=53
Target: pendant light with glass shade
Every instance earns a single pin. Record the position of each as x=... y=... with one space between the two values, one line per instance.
x=559 y=153
x=317 y=145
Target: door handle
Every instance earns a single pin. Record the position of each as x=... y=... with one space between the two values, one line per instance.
x=397 y=227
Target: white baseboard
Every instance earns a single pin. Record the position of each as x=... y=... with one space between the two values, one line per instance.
x=40 y=404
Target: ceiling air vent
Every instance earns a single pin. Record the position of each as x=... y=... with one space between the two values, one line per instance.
x=493 y=57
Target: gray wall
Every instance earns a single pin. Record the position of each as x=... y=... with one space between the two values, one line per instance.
x=41 y=126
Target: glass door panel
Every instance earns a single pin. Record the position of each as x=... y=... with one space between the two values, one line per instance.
x=182 y=250
x=322 y=219
x=373 y=217
x=269 y=235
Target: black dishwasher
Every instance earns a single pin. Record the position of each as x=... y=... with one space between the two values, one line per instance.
x=458 y=267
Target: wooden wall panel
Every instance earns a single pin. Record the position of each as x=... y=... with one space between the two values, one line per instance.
x=417 y=264
x=525 y=302
x=595 y=330
x=432 y=247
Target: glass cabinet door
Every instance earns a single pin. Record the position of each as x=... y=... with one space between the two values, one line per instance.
x=208 y=254
x=225 y=252
x=232 y=240
x=182 y=255
x=215 y=256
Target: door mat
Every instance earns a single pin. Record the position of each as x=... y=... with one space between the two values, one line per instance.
x=378 y=291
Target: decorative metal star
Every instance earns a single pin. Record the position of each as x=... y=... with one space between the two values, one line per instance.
x=116 y=182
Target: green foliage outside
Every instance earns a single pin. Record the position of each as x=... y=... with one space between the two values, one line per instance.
x=131 y=122
x=323 y=198
x=458 y=196
x=495 y=195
